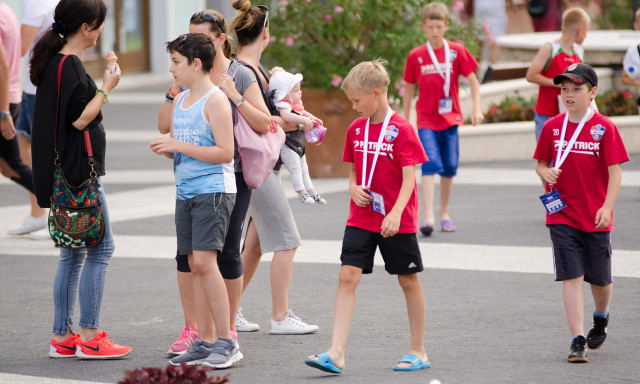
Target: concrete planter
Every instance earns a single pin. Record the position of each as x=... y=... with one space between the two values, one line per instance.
x=516 y=140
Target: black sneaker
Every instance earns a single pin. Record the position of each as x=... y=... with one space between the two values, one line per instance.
x=578 y=350
x=598 y=333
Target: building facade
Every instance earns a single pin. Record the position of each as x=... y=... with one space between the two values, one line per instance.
x=136 y=30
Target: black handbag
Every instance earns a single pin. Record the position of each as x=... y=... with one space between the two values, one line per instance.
x=537 y=8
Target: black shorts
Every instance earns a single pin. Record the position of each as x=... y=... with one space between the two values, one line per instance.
x=577 y=253
x=400 y=253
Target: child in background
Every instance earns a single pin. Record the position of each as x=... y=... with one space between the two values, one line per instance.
x=287 y=96
x=582 y=187
x=552 y=58
x=435 y=67
x=631 y=62
x=201 y=145
x=384 y=150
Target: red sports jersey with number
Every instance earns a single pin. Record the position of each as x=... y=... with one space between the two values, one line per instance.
x=400 y=147
x=582 y=185
x=547 y=103
x=421 y=70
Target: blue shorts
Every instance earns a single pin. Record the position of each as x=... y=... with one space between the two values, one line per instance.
x=25 y=120
x=540 y=120
x=442 y=150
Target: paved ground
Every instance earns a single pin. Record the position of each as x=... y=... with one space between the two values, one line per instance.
x=494 y=313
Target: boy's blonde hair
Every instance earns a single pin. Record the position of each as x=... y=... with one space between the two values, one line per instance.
x=367 y=76
x=435 y=11
x=575 y=17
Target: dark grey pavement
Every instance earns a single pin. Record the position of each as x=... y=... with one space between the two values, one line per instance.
x=483 y=325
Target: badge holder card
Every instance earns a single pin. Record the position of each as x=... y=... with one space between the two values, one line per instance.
x=552 y=202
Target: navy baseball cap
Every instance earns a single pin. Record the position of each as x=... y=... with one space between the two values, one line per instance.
x=578 y=73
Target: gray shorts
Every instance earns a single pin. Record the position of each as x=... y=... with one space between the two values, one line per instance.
x=202 y=222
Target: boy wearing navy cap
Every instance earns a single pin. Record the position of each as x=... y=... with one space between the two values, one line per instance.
x=586 y=151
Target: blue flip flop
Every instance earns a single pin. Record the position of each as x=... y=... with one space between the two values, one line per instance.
x=323 y=363
x=416 y=363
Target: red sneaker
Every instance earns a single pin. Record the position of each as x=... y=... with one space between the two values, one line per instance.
x=100 y=347
x=65 y=349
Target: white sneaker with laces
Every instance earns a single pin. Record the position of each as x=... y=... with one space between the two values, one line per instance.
x=244 y=325
x=305 y=198
x=40 y=234
x=292 y=325
x=30 y=224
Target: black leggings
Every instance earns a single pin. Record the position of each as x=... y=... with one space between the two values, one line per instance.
x=10 y=153
x=229 y=260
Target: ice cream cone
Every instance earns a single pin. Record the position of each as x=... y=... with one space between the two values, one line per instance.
x=111 y=61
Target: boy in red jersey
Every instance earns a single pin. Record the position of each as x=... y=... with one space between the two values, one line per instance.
x=436 y=66
x=552 y=58
x=586 y=150
x=383 y=149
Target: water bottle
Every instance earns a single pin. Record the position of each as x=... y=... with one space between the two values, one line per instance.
x=315 y=134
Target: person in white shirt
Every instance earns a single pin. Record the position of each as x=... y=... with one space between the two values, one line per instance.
x=37 y=17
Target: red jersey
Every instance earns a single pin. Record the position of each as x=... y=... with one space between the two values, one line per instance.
x=400 y=147
x=559 y=60
x=421 y=70
x=582 y=185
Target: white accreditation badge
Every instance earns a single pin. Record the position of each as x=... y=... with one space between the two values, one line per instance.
x=377 y=200
x=445 y=104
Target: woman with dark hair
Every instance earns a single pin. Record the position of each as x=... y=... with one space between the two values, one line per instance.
x=244 y=95
x=77 y=25
x=271 y=227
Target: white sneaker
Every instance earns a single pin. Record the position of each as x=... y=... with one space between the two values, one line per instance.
x=30 y=224
x=292 y=325
x=244 y=325
x=305 y=198
x=40 y=234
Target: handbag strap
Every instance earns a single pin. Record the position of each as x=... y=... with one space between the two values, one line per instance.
x=87 y=138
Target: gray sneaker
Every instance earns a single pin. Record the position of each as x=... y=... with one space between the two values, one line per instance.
x=195 y=355
x=292 y=325
x=223 y=355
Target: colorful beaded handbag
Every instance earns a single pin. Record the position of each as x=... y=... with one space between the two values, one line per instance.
x=76 y=219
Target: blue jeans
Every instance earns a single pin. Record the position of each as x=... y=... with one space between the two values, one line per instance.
x=442 y=150
x=87 y=269
x=540 y=120
x=25 y=120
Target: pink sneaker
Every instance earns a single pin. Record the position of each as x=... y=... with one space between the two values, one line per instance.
x=234 y=336
x=186 y=339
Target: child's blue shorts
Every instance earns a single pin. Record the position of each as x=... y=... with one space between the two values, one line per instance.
x=442 y=150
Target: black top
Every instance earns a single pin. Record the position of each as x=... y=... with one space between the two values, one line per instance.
x=77 y=89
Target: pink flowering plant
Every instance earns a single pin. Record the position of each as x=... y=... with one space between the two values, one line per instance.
x=323 y=40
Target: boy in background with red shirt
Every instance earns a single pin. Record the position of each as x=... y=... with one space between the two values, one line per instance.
x=552 y=58
x=586 y=150
x=383 y=149
x=435 y=67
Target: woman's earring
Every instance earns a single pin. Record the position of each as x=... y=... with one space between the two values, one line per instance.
x=86 y=36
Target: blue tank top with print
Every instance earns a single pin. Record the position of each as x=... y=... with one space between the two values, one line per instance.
x=195 y=177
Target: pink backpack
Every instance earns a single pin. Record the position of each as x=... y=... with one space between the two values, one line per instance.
x=258 y=153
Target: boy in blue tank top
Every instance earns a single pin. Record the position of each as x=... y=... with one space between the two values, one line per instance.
x=201 y=146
